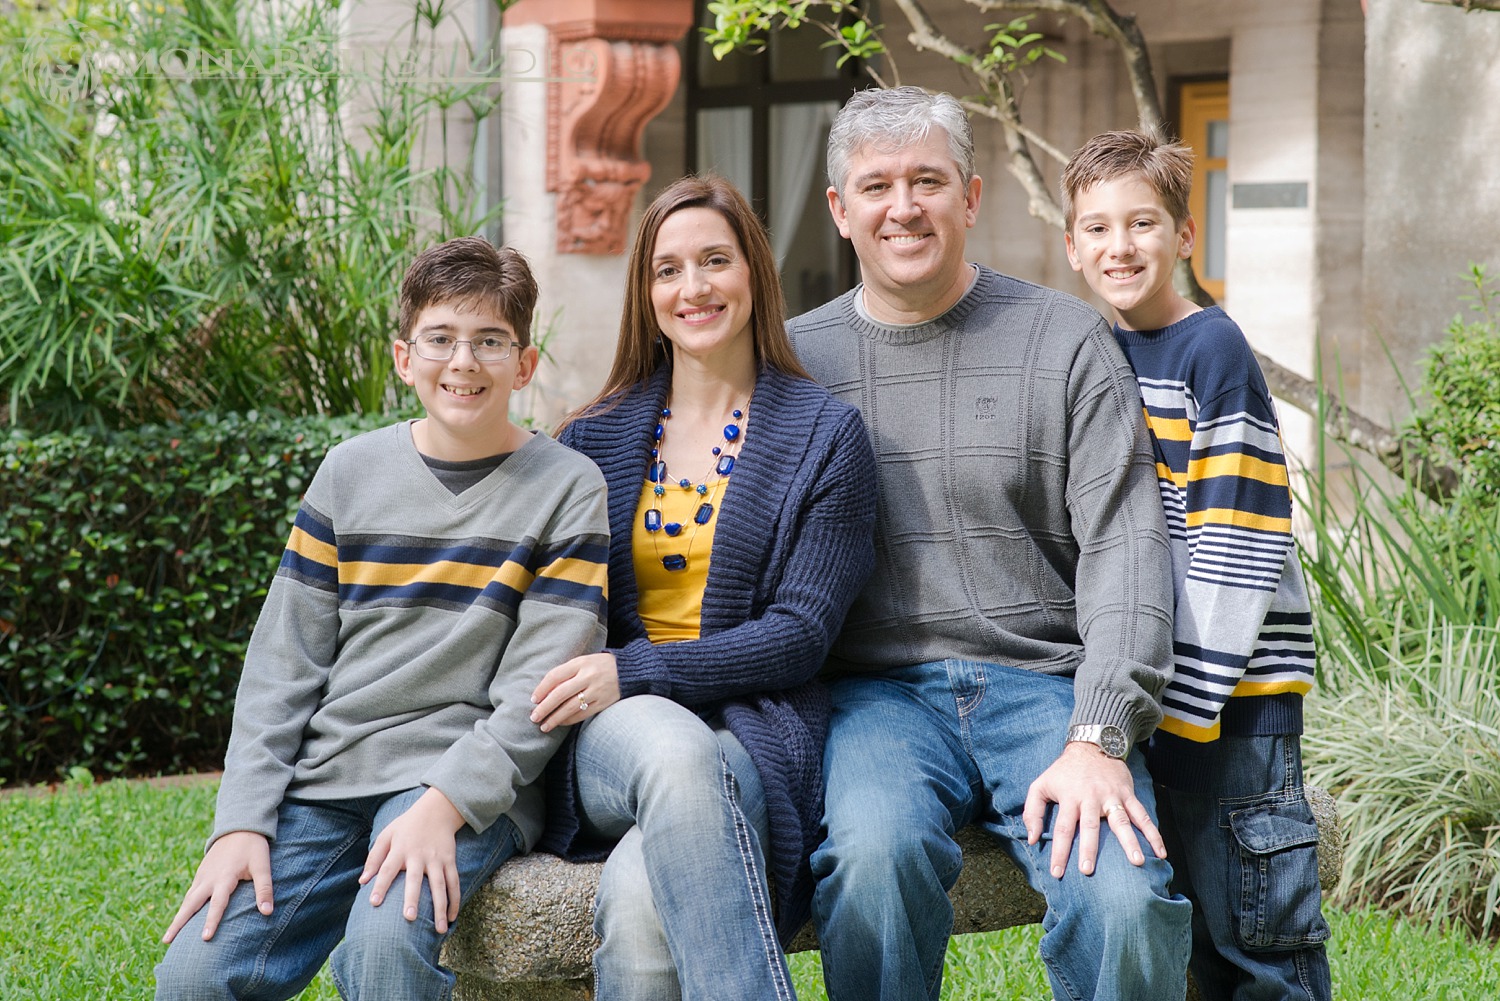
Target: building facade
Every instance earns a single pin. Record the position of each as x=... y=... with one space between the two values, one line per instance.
x=1344 y=183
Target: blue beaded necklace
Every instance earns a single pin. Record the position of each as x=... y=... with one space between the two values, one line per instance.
x=707 y=488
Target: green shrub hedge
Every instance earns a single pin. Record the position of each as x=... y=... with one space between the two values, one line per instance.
x=132 y=568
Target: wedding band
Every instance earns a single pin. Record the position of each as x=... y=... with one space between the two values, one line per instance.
x=583 y=706
x=1113 y=807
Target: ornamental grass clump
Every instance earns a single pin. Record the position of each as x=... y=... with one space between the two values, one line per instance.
x=1409 y=738
x=1404 y=726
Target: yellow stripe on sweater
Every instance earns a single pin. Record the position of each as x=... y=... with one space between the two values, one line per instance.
x=589 y=573
x=474 y=575
x=312 y=548
x=1170 y=428
x=1300 y=685
x=1238 y=519
x=1188 y=731
x=1238 y=464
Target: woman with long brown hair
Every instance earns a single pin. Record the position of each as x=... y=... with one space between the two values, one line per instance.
x=741 y=503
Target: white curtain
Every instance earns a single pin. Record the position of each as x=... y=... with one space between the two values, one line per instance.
x=724 y=145
x=798 y=144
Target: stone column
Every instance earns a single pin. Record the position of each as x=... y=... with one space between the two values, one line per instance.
x=584 y=78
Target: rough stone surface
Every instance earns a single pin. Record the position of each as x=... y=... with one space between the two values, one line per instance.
x=1330 y=837
x=527 y=935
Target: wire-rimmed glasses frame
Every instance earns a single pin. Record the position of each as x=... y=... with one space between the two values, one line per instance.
x=442 y=347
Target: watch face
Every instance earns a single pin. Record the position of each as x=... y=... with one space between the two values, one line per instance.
x=1112 y=741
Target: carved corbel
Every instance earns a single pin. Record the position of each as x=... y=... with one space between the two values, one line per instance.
x=608 y=92
x=614 y=67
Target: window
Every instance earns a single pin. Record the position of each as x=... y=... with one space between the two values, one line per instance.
x=762 y=121
x=1204 y=114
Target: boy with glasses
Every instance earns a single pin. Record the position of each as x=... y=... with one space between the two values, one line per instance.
x=382 y=761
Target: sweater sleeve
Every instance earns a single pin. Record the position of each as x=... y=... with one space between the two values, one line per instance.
x=561 y=616
x=287 y=662
x=830 y=555
x=1239 y=531
x=1123 y=581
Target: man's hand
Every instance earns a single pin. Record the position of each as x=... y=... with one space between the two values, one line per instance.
x=1087 y=784
x=575 y=690
x=420 y=843
x=232 y=859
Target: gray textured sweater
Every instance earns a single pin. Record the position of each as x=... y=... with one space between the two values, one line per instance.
x=406 y=628
x=1019 y=521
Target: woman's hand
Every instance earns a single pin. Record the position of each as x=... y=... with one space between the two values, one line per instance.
x=575 y=690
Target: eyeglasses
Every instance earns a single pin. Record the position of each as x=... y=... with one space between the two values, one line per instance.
x=442 y=347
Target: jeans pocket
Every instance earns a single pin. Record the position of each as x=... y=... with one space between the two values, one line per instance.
x=1277 y=863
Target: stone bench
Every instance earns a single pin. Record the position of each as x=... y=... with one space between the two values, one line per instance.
x=528 y=934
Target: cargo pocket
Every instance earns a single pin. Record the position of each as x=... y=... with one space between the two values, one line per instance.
x=1278 y=874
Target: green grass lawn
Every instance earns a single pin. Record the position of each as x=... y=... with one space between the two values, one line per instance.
x=90 y=875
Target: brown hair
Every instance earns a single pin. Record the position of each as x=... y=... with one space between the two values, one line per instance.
x=470 y=273
x=641 y=349
x=1165 y=164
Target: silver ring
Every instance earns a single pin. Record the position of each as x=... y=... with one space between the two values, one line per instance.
x=583 y=706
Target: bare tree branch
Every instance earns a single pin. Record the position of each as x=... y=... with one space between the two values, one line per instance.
x=1337 y=420
x=1468 y=6
x=997 y=81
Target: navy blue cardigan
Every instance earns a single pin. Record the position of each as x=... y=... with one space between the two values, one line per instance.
x=792 y=547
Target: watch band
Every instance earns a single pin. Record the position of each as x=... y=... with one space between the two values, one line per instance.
x=1109 y=738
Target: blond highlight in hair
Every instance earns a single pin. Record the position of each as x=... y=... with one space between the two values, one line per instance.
x=1166 y=166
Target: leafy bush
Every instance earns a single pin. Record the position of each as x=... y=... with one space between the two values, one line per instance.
x=1459 y=414
x=1404 y=724
x=208 y=204
x=1405 y=721
x=132 y=568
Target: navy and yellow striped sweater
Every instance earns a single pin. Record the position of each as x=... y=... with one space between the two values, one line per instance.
x=406 y=628
x=1242 y=642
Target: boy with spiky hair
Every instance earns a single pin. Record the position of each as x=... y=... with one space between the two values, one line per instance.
x=1227 y=756
x=382 y=761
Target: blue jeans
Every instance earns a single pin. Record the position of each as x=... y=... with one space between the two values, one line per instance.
x=316 y=859
x=683 y=909
x=1244 y=844
x=916 y=753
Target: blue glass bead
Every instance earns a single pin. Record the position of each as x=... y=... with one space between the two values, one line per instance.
x=731 y=432
x=655 y=453
x=725 y=466
x=684 y=483
x=659 y=430
x=657 y=471
x=675 y=561
x=666 y=411
x=653 y=521
x=702 y=489
x=705 y=512
x=717 y=450
x=658 y=490
x=673 y=528
x=738 y=414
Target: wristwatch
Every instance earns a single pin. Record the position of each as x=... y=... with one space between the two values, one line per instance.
x=1109 y=738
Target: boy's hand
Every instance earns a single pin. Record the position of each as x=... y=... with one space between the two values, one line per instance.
x=420 y=843
x=575 y=690
x=1087 y=784
x=232 y=859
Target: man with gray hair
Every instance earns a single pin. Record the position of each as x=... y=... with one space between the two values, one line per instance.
x=1010 y=647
